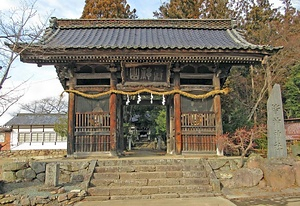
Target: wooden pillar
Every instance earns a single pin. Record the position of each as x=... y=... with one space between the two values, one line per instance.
x=177 y=112
x=168 y=128
x=120 y=134
x=30 y=134
x=172 y=127
x=113 y=110
x=71 y=117
x=217 y=106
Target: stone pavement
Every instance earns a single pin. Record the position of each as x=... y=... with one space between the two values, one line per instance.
x=203 y=201
x=256 y=192
x=263 y=197
x=273 y=201
x=231 y=197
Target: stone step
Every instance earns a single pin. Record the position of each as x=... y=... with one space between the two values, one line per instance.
x=149 y=178
x=154 y=196
x=147 y=168
x=148 y=190
x=149 y=182
x=150 y=175
x=165 y=161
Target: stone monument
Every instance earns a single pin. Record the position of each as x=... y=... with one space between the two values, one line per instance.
x=275 y=125
x=52 y=174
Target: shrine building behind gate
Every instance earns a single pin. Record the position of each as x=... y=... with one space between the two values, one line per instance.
x=104 y=63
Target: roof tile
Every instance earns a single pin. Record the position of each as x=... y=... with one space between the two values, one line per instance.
x=34 y=119
x=118 y=38
x=144 y=34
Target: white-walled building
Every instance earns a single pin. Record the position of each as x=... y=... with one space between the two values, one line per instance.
x=35 y=132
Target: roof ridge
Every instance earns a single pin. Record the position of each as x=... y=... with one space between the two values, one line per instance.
x=18 y=114
x=143 y=23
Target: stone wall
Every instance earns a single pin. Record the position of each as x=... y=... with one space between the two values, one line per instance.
x=33 y=153
x=70 y=172
x=74 y=177
x=257 y=171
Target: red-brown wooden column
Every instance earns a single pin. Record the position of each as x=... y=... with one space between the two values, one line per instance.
x=71 y=118
x=177 y=112
x=113 y=111
x=217 y=106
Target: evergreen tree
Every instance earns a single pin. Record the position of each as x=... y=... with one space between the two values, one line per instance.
x=236 y=106
x=260 y=21
x=292 y=94
x=160 y=121
x=194 y=9
x=179 y=9
x=96 y=9
x=217 y=9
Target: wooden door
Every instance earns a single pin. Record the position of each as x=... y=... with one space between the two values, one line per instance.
x=92 y=132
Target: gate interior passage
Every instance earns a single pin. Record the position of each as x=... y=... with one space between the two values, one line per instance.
x=184 y=61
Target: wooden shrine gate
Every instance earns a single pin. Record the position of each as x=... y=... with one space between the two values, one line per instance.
x=98 y=61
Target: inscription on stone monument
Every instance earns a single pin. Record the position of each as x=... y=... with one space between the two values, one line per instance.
x=276 y=132
x=52 y=174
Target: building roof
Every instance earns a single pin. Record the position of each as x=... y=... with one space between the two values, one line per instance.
x=146 y=34
x=65 y=37
x=24 y=119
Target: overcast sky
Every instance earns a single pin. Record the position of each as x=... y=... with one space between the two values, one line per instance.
x=42 y=81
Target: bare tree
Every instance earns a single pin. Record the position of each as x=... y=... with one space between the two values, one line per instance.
x=46 y=106
x=9 y=97
x=17 y=26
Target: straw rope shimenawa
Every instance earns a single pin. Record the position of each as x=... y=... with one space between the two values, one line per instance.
x=175 y=91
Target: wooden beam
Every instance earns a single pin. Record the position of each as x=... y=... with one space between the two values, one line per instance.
x=153 y=84
x=146 y=64
x=91 y=133
x=139 y=87
x=89 y=88
x=189 y=88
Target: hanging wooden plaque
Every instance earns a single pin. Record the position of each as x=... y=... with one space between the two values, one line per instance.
x=146 y=74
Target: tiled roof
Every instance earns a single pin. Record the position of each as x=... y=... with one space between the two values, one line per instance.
x=145 y=34
x=23 y=119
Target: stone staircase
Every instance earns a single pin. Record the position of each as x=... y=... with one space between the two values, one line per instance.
x=149 y=178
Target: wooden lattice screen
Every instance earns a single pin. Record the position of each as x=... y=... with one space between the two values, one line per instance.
x=198 y=131
x=92 y=132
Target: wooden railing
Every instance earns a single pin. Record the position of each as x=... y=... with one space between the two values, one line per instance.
x=92 y=132
x=198 y=131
